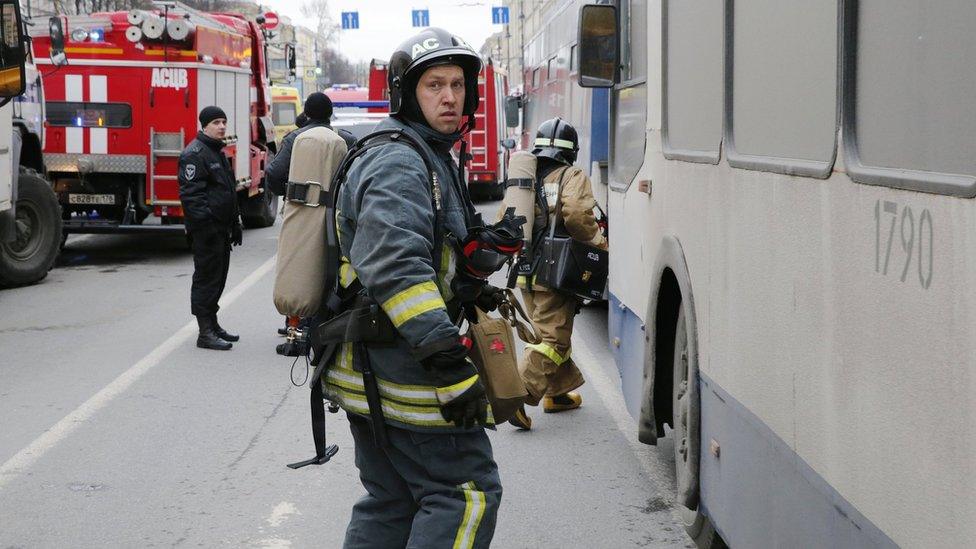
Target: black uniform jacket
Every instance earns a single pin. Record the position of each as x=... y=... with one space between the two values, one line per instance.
x=207 y=187
x=276 y=174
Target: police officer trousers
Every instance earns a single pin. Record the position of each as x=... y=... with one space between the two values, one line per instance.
x=211 y=259
x=425 y=490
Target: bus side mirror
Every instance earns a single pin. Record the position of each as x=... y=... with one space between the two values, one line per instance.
x=58 y=58
x=12 y=52
x=512 y=106
x=290 y=57
x=508 y=143
x=599 y=51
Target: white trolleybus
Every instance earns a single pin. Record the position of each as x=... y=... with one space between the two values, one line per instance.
x=793 y=260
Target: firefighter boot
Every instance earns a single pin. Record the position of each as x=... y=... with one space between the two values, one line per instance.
x=521 y=419
x=208 y=338
x=561 y=403
x=222 y=333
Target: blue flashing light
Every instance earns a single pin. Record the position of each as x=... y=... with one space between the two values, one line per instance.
x=78 y=121
x=96 y=35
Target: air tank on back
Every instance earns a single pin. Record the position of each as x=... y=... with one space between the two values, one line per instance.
x=520 y=189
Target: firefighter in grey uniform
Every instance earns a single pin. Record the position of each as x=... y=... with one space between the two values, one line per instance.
x=434 y=483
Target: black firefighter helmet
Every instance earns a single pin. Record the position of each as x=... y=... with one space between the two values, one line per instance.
x=431 y=46
x=557 y=139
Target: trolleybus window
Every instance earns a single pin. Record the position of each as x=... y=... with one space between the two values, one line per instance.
x=630 y=97
x=783 y=66
x=693 y=80
x=572 y=58
x=89 y=115
x=910 y=113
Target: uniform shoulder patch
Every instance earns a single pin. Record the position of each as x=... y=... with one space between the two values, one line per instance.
x=190 y=171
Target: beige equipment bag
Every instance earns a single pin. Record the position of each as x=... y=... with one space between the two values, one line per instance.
x=299 y=279
x=493 y=353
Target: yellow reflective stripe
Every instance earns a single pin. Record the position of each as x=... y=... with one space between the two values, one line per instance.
x=407 y=394
x=412 y=302
x=474 y=510
x=447 y=272
x=347 y=275
x=407 y=414
x=409 y=404
x=451 y=392
x=549 y=352
x=354 y=402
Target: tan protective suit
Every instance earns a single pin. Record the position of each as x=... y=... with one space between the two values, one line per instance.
x=547 y=369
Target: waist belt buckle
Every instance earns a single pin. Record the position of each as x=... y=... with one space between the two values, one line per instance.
x=298 y=192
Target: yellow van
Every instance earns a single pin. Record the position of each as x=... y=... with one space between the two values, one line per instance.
x=285 y=106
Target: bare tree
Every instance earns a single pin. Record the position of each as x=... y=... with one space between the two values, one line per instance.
x=318 y=11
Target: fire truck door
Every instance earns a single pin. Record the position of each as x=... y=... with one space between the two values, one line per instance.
x=231 y=92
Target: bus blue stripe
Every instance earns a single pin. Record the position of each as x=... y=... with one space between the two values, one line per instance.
x=760 y=493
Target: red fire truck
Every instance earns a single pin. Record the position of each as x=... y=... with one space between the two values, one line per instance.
x=486 y=167
x=121 y=111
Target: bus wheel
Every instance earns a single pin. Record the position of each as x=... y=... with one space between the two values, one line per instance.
x=686 y=425
x=260 y=210
x=36 y=242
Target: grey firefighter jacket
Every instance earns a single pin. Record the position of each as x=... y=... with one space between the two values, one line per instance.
x=207 y=188
x=385 y=218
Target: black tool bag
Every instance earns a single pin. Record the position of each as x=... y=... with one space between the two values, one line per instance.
x=570 y=266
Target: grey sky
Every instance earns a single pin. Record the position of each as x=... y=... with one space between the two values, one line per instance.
x=384 y=24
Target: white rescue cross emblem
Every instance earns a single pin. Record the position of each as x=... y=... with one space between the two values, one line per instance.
x=170 y=78
x=190 y=170
x=425 y=46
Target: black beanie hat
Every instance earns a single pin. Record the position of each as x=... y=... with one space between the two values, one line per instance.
x=209 y=114
x=318 y=107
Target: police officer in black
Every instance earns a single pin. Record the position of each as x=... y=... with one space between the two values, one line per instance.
x=318 y=112
x=209 y=197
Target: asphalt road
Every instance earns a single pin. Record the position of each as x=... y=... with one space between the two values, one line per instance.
x=118 y=432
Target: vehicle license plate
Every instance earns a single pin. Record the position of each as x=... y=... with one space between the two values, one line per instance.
x=74 y=198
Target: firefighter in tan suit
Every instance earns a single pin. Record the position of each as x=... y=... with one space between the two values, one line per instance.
x=547 y=369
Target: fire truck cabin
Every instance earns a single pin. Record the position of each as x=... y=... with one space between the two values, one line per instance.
x=122 y=110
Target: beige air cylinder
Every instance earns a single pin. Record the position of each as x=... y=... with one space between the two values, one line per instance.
x=315 y=157
x=520 y=189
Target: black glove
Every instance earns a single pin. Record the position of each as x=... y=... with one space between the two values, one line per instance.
x=236 y=234
x=490 y=298
x=461 y=395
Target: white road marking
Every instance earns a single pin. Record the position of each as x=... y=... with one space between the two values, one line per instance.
x=25 y=458
x=281 y=512
x=608 y=391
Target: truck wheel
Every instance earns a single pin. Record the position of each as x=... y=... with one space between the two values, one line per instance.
x=260 y=210
x=686 y=432
x=35 y=247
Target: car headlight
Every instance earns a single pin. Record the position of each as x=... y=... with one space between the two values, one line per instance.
x=79 y=34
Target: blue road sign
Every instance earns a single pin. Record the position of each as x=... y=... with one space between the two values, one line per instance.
x=499 y=15
x=421 y=18
x=350 y=20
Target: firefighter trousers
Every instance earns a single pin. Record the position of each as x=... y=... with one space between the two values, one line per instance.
x=211 y=260
x=547 y=369
x=425 y=490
